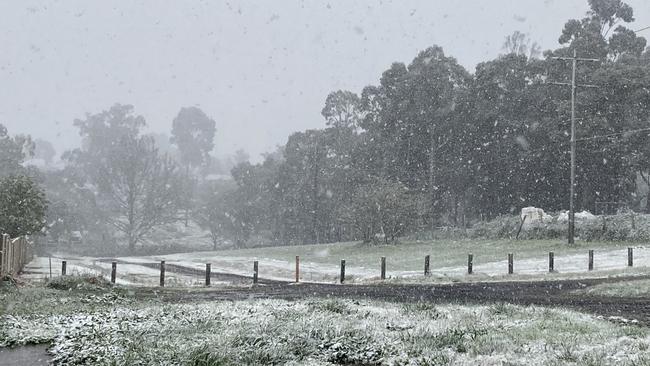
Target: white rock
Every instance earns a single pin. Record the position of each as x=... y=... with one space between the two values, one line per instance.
x=534 y=215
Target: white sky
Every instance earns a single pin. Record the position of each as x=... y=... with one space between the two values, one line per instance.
x=261 y=69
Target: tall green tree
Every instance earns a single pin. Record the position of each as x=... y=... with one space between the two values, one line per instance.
x=22 y=206
x=13 y=152
x=193 y=133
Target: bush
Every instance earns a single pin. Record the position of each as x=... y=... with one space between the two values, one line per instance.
x=501 y=227
x=22 y=206
x=622 y=227
x=87 y=283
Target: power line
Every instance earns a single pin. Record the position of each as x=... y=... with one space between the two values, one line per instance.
x=574 y=61
x=614 y=134
x=642 y=29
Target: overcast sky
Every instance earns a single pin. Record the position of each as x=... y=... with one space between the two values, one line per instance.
x=261 y=69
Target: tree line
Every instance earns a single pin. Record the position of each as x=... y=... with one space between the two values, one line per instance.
x=430 y=145
x=435 y=145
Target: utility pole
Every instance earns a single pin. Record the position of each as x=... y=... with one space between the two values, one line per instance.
x=574 y=62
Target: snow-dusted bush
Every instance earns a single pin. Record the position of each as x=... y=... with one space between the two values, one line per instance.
x=622 y=227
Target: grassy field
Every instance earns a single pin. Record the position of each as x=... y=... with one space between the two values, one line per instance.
x=447 y=258
x=410 y=255
x=405 y=262
x=95 y=324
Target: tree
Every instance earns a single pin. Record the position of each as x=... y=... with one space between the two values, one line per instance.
x=306 y=155
x=100 y=131
x=589 y=36
x=208 y=215
x=520 y=44
x=22 y=206
x=226 y=212
x=13 y=151
x=140 y=187
x=135 y=186
x=193 y=132
x=73 y=204
x=44 y=150
x=240 y=156
x=342 y=109
x=213 y=212
x=380 y=210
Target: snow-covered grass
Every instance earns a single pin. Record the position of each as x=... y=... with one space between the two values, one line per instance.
x=406 y=260
x=110 y=328
x=127 y=274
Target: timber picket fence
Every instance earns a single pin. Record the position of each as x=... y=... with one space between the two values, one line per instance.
x=14 y=254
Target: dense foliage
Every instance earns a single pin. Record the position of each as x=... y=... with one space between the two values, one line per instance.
x=22 y=206
x=22 y=200
x=433 y=145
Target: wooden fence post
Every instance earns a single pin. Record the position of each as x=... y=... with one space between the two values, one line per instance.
x=63 y=267
x=427 y=272
x=630 y=257
x=14 y=250
x=19 y=246
x=2 y=255
x=591 y=259
x=297 y=268
x=208 y=273
x=113 y=271
x=342 y=270
x=520 y=226
x=255 y=272
x=383 y=268
x=6 y=242
x=17 y=255
x=470 y=263
x=510 y=263
x=10 y=255
x=551 y=262
x=162 y=273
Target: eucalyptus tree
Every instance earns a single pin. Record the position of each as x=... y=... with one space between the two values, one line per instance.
x=136 y=186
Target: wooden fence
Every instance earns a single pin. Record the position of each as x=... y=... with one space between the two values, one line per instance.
x=14 y=254
x=341 y=278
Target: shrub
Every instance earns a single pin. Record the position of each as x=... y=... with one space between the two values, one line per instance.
x=87 y=283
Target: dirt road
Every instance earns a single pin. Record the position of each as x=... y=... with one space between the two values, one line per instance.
x=546 y=293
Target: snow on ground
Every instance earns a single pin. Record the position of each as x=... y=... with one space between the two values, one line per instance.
x=131 y=270
x=314 y=271
x=325 y=332
x=603 y=261
x=127 y=274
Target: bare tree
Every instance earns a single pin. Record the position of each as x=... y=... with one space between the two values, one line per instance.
x=519 y=43
x=139 y=187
